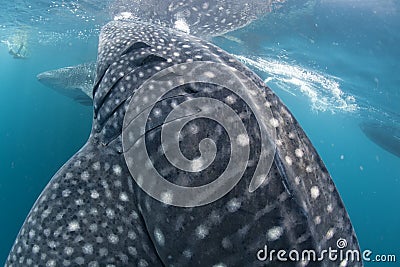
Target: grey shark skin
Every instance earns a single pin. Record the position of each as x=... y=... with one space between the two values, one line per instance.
x=200 y=18
x=75 y=82
x=384 y=135
x=92 y=212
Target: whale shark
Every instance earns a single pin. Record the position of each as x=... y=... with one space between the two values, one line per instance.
x=385 y=135
x=170 y=104
x=198 y=17
x=75 y=82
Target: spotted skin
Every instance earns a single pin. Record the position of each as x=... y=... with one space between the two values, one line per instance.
x=75 y=82
x=93 y=213
x=202 y=18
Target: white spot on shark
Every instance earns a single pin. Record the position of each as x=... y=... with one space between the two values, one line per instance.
x=159 y=236
x=274 y=233
x=233 y=205
x=73 y=226
x=201 y=231
x=243 y=140
x=314 y=192
x=274 y=122
x=117 y=170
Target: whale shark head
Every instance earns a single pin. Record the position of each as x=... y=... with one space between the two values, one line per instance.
x=192 y=161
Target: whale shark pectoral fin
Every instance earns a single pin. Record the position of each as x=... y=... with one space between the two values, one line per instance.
x=87 y=209
x=85 y=101
x=80 y=96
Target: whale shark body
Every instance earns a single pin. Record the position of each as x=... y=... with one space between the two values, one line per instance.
x=95 y=212
x=387 y=136
x=75 y=82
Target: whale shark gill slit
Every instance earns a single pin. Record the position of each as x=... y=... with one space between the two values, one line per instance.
x=128 y=122
x=135 y=46
x=168 y=76
x=281 y=169
x=145 y=61
x=139 y=60
x=152 y=59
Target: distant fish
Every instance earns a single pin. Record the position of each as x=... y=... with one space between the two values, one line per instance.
x=75 y=82
x=385 y=135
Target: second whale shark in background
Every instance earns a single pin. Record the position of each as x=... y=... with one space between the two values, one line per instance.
x=75 y=82
x=387 y=136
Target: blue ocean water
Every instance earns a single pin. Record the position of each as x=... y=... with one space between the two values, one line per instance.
x=39 y=131
x=335 y=64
